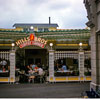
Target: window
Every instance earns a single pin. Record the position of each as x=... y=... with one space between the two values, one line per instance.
x=40 y=29
x=46 y=29
x=66 y=67
x=87 y=67
x=37 y=60
x=26 y=29
x=30 y=61
x=4 y=68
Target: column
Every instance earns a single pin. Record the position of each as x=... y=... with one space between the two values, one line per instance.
x=12 y=66
x=81 y=63
x=98 y=62
x=51 y=65
x=95 y=61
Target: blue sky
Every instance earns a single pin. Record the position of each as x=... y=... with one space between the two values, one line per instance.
x=69 y=14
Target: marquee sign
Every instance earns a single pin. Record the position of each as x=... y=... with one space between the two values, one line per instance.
x=31 y=40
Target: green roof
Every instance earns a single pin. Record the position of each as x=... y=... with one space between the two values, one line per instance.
x=63 y=35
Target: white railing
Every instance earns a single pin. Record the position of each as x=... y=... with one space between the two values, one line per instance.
x=4 y=55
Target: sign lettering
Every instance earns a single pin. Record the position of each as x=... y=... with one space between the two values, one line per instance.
x=31 y=40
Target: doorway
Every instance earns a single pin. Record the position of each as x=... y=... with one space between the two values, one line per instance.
x=34 y=60
x=36 y=56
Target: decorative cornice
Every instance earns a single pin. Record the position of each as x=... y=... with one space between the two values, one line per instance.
x=90 y=24
x=98 y=31
x=98 y=12
x=84 y=1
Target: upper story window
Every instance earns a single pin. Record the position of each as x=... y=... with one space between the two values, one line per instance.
x=26 y=29
x=40 y=29
x=43 y=29
x=46 y=29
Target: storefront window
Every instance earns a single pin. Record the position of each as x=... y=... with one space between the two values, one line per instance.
x=87 y=67
x=66 y=67
x=4 y=68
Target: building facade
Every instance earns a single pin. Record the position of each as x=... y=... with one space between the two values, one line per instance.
x=93 y=11
x=52 y=48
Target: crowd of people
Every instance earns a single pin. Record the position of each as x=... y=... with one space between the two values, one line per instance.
x=33 y=71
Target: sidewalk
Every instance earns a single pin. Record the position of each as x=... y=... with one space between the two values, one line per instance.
x=50 y=90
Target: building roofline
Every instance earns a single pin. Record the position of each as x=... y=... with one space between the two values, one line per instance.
x=35 y=25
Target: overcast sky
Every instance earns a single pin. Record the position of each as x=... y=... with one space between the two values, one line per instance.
x=66 y=13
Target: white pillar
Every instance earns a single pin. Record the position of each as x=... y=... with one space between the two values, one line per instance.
x=12 y=66
x=81 y=63
x=51 y=65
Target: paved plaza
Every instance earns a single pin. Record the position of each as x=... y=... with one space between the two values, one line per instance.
x=49 y=90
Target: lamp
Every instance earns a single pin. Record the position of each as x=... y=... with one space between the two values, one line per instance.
x=31 y=27
x=51 y=44
x=80 y=44
x=13 y=44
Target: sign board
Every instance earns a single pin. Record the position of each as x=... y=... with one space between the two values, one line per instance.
x=31 y=40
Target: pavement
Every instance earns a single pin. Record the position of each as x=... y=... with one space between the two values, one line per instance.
x=44 y=90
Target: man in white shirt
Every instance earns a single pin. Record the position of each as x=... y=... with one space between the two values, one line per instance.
x=40 y=71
